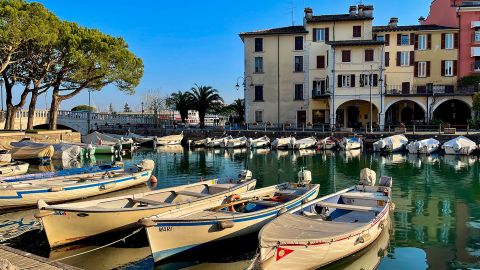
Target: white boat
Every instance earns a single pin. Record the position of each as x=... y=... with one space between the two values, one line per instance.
x=117 y=141
x=459 y=146
x=327 y=143
x=352 y=143
x=391 y=144
x=236 y=142
x=426 y=146
x=305 y=143
x=81 y=220
x=282 y=143
x=13 y=168
x=327 y=229
x=261 y=142
x=170 y=140
x=215 y=143
x=20 y=193
x=5 y=155
x=237 y=216
x=199 y=143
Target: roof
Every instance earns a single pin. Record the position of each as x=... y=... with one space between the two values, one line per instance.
x=355 y=43
x=338 y=17
x=296 y=29
x=425 y=27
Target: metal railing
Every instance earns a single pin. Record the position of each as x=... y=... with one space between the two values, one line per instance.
x=320 y=94
x=399 y=90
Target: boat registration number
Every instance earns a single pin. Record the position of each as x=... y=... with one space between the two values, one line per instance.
x=165 y=229
x=60 y=213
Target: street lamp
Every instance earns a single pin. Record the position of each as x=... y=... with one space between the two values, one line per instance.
x=142 y=108
x=89 y=109
x=244 y=83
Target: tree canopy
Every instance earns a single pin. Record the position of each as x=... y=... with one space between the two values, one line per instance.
x=205 y=99
x=182 y=102
x=83 y=108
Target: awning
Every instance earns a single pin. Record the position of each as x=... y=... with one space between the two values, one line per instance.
x=475 y=51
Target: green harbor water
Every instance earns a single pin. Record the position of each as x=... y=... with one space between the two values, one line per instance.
x=435 y=225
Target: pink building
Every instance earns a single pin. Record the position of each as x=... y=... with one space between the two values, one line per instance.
x=464 y=14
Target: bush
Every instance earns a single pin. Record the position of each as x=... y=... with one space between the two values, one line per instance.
x=436 y=122
x=469 y=81
x=83 y=108
x=474 y=123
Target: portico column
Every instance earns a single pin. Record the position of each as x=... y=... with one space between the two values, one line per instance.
x=382 y=120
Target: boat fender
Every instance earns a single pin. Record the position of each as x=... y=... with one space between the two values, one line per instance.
x=55 y=189
x=364 y=238
x=145 y=222
x=153 y=179
x=282 y=211
x=225 y=224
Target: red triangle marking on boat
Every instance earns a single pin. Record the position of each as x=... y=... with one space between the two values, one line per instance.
x=282 y=252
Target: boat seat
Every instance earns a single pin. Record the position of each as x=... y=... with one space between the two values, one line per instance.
x=149 y=201
x=266 y=203
x=190 y=193
x=350 y=207
x=365 y=196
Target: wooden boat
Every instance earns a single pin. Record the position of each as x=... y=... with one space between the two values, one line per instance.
x=328 y=143
x=352 y=143
x=215 y=143
x=61 y=151
x=426 y=146
x=5 y=155
x=261 y=142
x=33 y=154
x=236 y=216
x=327 y=229
x=170 y=140
x=21 y=193
x=105 y=149
x=13 y=168
x=81 y=220
x=305 y=143
x=459 y=146
x=115 y=140
x=87 y=150
x=391 y=144
x=236 y=142
x=199 y=143
x=282 y=143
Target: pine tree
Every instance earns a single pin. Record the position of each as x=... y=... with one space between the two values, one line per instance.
x=110 y=108
x=126 y=108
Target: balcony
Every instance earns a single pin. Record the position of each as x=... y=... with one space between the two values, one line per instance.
x=428 y=90
x=316 y=94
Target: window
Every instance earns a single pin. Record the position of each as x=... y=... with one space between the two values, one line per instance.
x=405 y=40
x=319 y=34
x=368 y=79
x=448 y=41
x=321 y=61
x=258 y=64
x=476 y=36
x=422 y=42
x=422 y=69
x=448 y=70
x=299 y=43
x=476 y=66
x=404 y=58
x=387 y=59
x=298 y=91
x=319 y=87
x=357 y=31
x=259 y=44
x=258 y=92
x=346 y=80
x=346 y=56
x=259 y=116
x=380 y=38
x=320 y=117
x=298 y=64
x=369 y=55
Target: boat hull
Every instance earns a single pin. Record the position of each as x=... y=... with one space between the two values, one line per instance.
x=63 y=225
x=465 y=151
x=14 y=169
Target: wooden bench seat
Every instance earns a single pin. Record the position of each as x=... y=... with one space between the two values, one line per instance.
x=149 y=201
x=193 y=194
x=365 y=196
x=350 y=207
x=266 y=203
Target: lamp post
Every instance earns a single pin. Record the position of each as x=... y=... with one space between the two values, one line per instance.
x=244 y=84
x=89 y=109
x=370 y=83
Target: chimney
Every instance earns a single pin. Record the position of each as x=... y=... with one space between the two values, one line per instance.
x=308 y=13
x=393 y=22
x=368 y=11
x=353 y=10
x=360 y=10
x=421 y=20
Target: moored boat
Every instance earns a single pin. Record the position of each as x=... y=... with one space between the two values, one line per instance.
x=81 y=220
x=114 y=140
x=236 y=142
x=199 y=143
x=305 y=143
x=170 y=139
x=61 y=151
x=426 y=146
x=33 y=154
x=327 y=229
x=391 y=144
x=13 y=168
x=21 y=193
x=261 y=142
x=237 y=216
x=328 y=143
x=215 y=143
x=352 y=143
x=5 y=155
x=459 y=146
x=282 y=143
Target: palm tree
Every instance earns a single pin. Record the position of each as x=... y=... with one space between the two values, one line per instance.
x=205 y=99
x=238 y=107
x=182 y=102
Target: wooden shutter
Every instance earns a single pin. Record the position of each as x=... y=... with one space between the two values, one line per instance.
x=443 y=68
x=314 y=34
x=399 y=39
x=339 y=82
x=387 y=59
x=415 y=70
x=320 y=61
x=368 y=55
x=428 y=68
x=443 y=40
x=387 y=40
x=357 y=31
x=412 y=38
x=416 y=42
x=327 y=34
x=454 y=67
x=429 y=41
x=399 y=55
x=455 y=40
x=352 y=80
x=375 y=80
x=412 y=58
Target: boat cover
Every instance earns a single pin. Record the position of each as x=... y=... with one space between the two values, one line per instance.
x=32 y=152
x=460 y=142
x=395 y=141
x=99 y=138
x=368 y=177
x=61 y=151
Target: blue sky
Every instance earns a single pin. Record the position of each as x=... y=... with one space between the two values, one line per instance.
x=186 y=42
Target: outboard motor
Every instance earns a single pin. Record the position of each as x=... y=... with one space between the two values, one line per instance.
x=367 y=177
x=304 y=177
x=456 y=146
x=245 y=175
